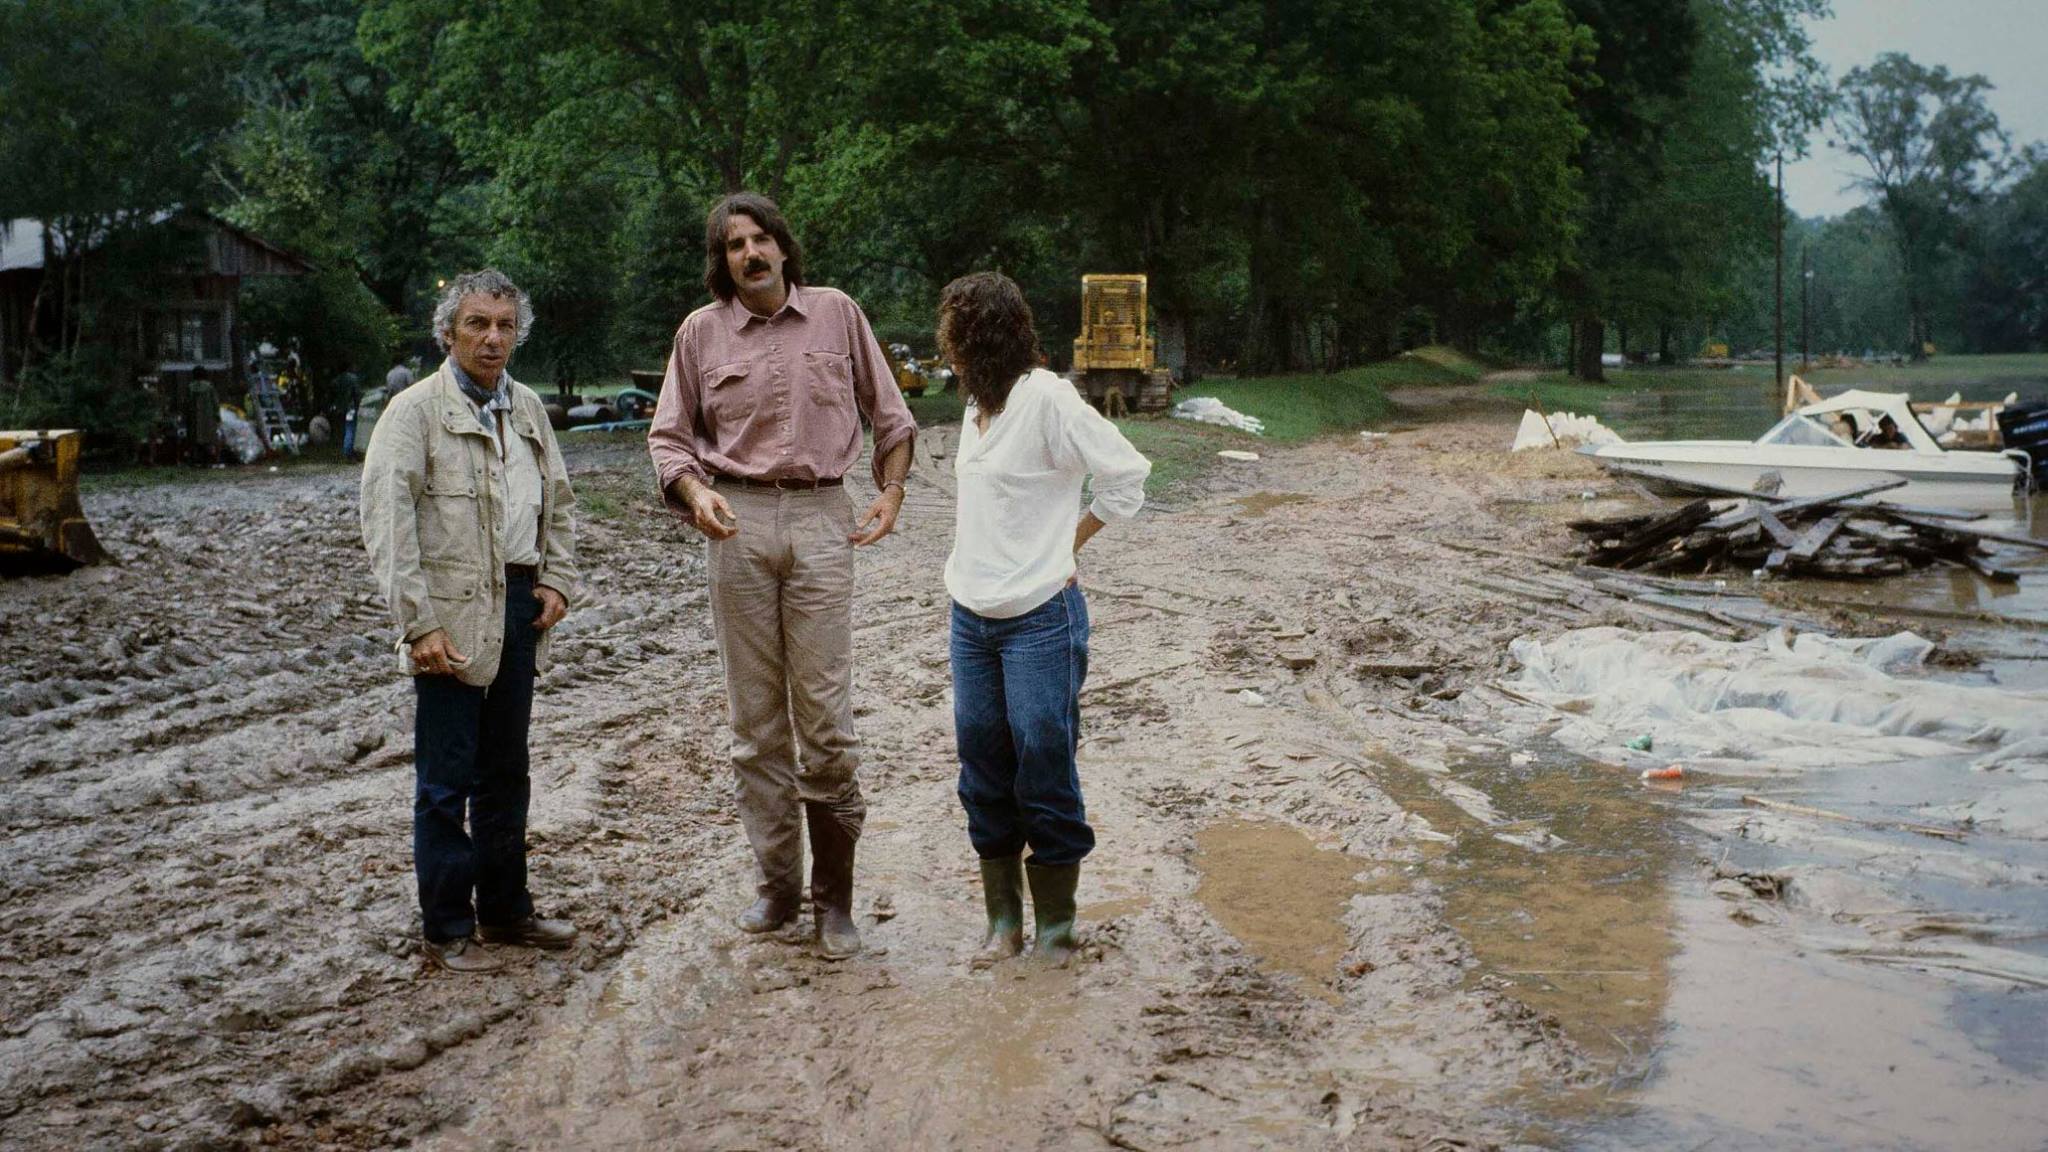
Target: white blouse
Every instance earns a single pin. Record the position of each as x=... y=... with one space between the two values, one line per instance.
x=1020 y=494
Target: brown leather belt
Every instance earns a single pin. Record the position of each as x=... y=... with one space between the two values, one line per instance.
x=785 y=485
x=530 y=572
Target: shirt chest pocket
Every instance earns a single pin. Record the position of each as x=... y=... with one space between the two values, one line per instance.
x=723 y=392
x=828 y=376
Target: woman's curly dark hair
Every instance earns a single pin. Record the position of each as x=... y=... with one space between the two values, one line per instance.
x=985 y=332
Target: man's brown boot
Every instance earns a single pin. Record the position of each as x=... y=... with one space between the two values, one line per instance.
x=831 y=883
x=1002 y=894
x=532 y=932
x=461 y=955
x=768 y=914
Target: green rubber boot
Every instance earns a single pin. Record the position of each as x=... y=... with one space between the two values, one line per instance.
x=1002 y=893
x=1052 y=906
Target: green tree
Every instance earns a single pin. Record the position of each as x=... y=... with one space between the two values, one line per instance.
x=2007 y=297
x=109 y=112
x=1933 y=148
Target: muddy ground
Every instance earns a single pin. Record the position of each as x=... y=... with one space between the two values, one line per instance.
x=210 y=932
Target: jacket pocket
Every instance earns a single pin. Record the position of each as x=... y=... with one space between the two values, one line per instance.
x=450 y=522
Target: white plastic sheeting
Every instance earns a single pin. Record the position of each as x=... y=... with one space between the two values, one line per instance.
x=239 y=436
x=1210 y=410
x=1561 y=429
x=1806 y=701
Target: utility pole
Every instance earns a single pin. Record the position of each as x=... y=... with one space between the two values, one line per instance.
x=1805 y=308
x=1778 y=280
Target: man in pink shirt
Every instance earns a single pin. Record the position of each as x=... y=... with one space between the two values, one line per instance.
x=759 y=422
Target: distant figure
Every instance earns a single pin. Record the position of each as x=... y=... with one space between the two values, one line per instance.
x=1885 y=435
x=398 y=379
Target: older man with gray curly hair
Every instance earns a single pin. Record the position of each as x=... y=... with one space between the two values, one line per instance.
x=469 y=522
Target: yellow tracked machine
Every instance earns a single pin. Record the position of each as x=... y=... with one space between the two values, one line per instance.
x=1114 y=366
x=42 y=526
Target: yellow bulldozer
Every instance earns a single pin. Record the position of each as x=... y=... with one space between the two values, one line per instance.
x=1114 y=363
x=42 y=527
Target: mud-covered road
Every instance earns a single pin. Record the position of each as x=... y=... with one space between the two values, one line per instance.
x=209 y=927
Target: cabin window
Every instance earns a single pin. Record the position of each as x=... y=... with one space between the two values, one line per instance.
x=192 y=334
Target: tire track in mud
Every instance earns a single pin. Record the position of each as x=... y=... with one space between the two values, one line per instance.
x=1169 y=1034
x=207 y=862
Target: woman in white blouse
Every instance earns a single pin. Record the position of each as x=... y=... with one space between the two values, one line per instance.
x=1020 y=623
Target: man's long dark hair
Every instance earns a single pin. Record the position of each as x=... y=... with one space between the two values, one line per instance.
x=762 y=211
x=986 y=333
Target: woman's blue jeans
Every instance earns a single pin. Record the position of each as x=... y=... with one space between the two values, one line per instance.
x=1017 y=719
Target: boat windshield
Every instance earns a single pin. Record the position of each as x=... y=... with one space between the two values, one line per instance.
x=1797 y=429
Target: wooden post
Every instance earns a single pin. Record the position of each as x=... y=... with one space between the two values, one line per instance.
x=1778 y=278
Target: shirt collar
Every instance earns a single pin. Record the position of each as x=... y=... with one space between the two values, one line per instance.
x=740 y=315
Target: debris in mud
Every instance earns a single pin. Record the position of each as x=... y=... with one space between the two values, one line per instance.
x=1762 y=885
x=1844 y=535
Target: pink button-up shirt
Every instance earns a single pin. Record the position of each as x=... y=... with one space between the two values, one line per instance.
x=777 y=397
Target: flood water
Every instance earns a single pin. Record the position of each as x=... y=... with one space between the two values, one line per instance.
x=1892 y=993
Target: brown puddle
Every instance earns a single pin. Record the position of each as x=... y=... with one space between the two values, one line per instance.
x=1260 y=503
x=1583 y=932
x=1282 y=896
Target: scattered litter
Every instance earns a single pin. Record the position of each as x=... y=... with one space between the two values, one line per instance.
x=1210 y=410
x=1238 y=454
x=1252 y=698
x=1560 y=430
x=239 y=436
x=1373 y=437
x=1668 y=772
x=1521 y=759
x=1641 y=743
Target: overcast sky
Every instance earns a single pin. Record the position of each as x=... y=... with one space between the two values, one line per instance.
x=2001 y=40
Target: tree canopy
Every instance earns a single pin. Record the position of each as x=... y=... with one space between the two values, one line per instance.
x=1308 y=183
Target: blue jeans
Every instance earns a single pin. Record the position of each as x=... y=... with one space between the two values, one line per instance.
x=469 y=760
x=1017 y=720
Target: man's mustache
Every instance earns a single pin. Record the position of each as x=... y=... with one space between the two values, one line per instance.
x=756 y=265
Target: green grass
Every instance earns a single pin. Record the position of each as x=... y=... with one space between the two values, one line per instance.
x=1938 y=371
x=1293 y=408
x=598 y=504
x=935 y=408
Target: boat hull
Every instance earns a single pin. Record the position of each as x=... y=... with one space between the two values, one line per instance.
x=1961 y=480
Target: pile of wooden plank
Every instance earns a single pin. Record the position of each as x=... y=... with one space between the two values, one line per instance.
x=1844 y=535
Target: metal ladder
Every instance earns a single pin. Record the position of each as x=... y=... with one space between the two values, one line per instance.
x=271 y=421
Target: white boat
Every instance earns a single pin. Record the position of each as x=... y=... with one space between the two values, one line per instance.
x=1803 y=456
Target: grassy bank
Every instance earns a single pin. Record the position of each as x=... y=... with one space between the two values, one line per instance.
x=1293 y=408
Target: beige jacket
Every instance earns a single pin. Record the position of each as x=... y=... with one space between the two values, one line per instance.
x=429 y=510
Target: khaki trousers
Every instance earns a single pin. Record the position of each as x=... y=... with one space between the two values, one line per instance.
x=782 y=611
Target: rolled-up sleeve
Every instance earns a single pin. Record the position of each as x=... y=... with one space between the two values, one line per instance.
x=1119 y=470
x=672 y=435
x=880 y=399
